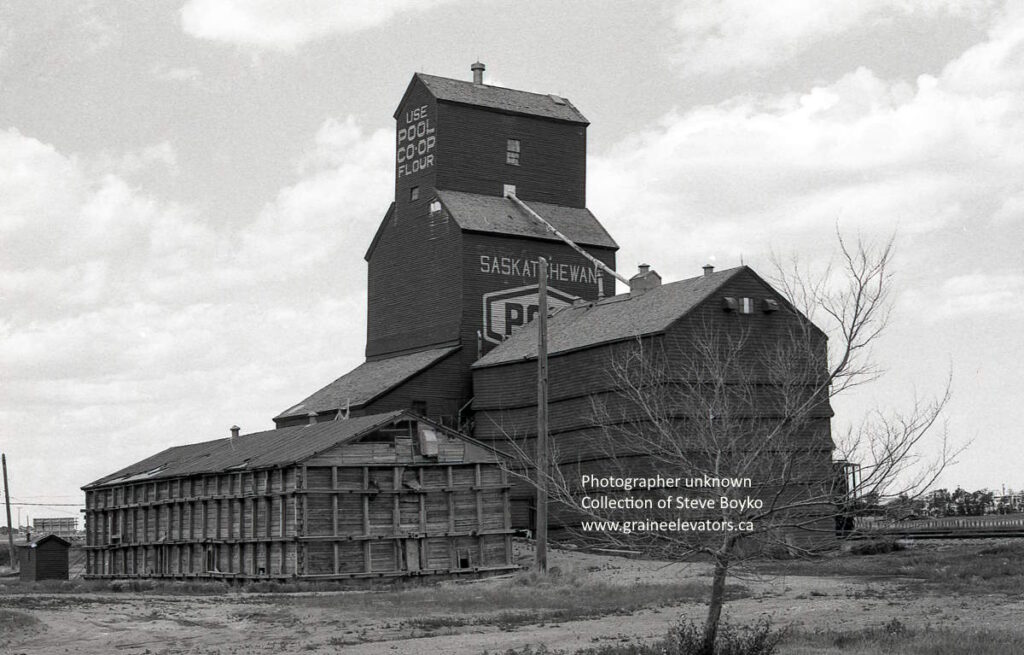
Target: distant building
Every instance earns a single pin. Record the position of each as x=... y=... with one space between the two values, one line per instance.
x=65 y=528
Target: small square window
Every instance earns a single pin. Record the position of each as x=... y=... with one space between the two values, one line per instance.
x=508 y=190
x=435 y=206
x=512 y=152
x=414 y=193
x=746 y=305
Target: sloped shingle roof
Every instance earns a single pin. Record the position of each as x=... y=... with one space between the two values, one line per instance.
x=613 y=319
x=257 y=450
x=367 y=381
x=480 y=213
x=38 y=540
x=502 y=99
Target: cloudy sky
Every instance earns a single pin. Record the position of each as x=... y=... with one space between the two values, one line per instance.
x=187 y=190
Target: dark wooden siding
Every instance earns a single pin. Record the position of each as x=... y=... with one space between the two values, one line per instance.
x=444 y=388
x=47 y=561
x=413 y=277
x=764 y=333
x=416 y=300
x=585 y=406
x=472 y=146
x=414 y=285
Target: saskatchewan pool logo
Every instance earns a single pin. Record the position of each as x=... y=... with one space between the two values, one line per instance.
x=508 y=309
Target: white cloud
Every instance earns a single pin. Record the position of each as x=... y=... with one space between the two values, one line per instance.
x=980 y=294
x=285 y=25
x=127 y=164
x=177 y=74
x=875 y=155
x=719 y=35
x=128 y=322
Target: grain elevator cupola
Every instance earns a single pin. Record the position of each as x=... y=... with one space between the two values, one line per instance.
x=452 y=268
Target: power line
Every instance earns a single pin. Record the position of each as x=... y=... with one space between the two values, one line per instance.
x=52 y=504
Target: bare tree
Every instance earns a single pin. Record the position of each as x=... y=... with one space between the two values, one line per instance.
x=716 y=438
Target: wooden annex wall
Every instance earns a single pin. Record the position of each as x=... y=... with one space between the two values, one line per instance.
x=326 y=518
x=585 y=440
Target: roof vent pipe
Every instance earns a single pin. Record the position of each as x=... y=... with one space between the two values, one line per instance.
x=234 y=431
x=478 y=72
x=708 y=269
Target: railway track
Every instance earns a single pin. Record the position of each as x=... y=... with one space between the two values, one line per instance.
x=967 y=527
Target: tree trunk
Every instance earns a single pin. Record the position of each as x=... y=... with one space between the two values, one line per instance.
x=715 y=605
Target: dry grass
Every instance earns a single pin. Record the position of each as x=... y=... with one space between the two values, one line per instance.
x=894 y=638
x=686 y=638
x=523 y=598
x=13 y=623
x=937 y=567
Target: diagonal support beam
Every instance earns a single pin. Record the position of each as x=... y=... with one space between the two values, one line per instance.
x=551 y=228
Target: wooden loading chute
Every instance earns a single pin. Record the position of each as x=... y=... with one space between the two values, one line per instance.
x=551 y=228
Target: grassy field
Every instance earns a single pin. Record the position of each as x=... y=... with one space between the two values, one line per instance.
x=977 y=567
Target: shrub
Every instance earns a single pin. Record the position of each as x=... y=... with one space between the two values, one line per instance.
x=875 y=547
x=758 y=639
x=686 y=638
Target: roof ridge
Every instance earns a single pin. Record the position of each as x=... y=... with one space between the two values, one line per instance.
x=498 y=98
x=491 y=86
x=371 y=378
x=280 y=448
x=613 y=319
x=480 y=212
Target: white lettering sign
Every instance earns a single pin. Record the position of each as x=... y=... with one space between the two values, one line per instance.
x=416 y=141
x=527 y=268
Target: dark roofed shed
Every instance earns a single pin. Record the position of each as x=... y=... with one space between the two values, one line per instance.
x=44 y=558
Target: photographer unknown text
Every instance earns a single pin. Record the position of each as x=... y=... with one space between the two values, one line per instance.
x=679 y=504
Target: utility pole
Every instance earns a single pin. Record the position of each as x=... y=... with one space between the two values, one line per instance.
x=542 y=417
x=7 y=501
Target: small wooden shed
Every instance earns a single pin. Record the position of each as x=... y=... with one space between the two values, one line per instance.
x=44 y=558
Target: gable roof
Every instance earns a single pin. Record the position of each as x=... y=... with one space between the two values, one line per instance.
x=250 y=451
x=498 y=98
x=480 y=213
x=367 y=381
x=47 y=537
x=612 y=319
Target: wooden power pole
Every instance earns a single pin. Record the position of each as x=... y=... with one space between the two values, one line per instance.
x=542 y=417
x=7 y=501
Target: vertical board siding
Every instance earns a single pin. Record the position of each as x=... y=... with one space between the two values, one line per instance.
x=309 y=521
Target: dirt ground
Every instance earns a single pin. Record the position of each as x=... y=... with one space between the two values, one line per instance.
x=143 y=623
